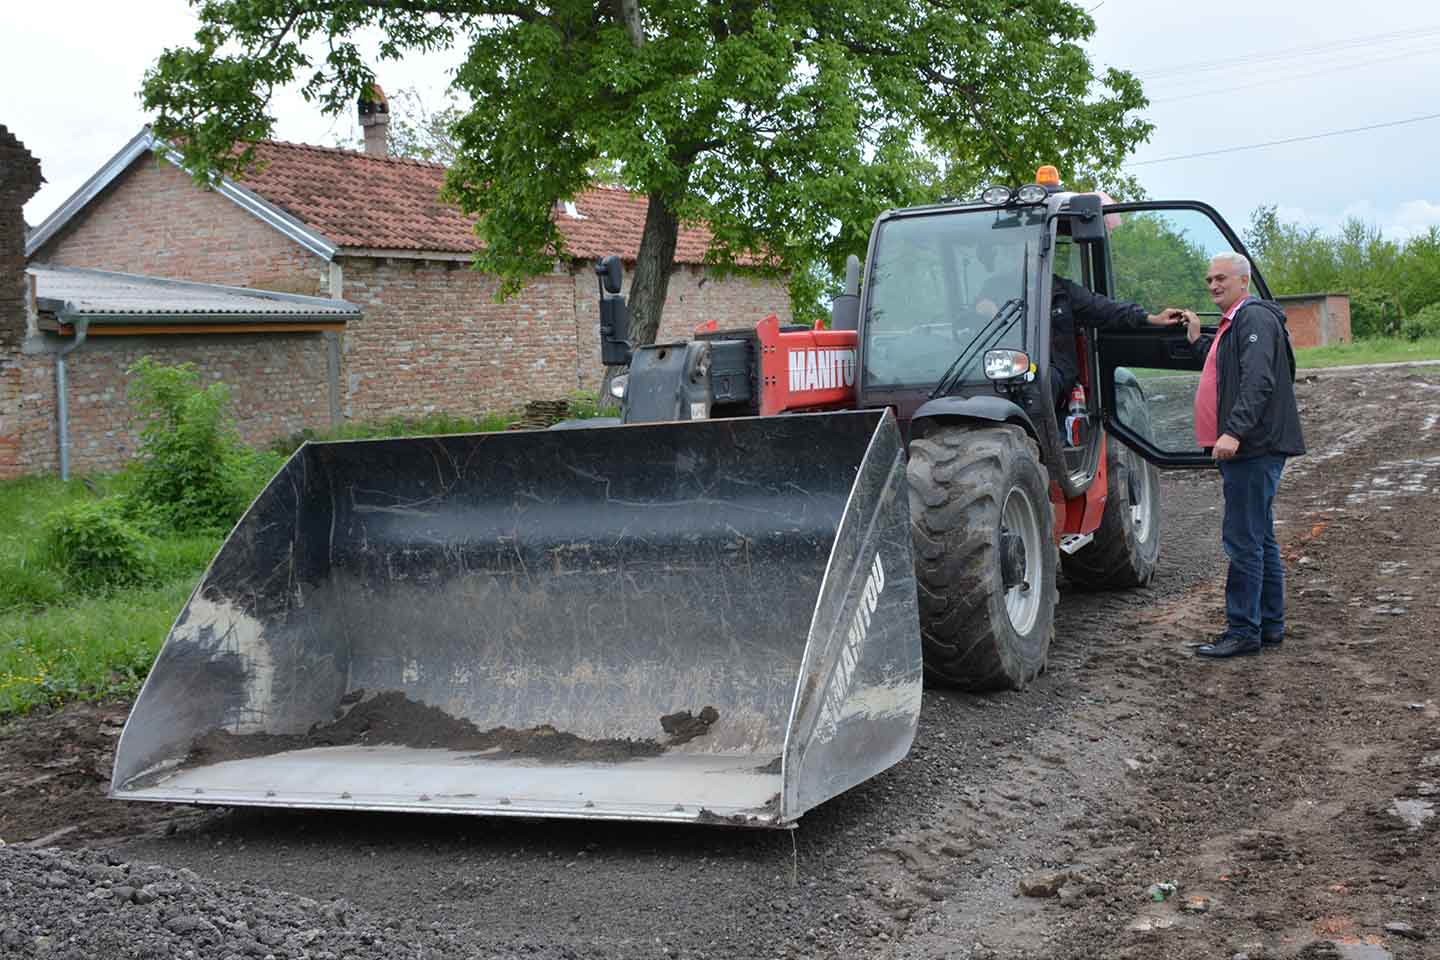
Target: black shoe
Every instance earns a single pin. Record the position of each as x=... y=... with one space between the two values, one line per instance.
x=1272 y=639
x=1228 y=646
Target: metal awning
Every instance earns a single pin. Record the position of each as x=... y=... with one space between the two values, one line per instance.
x=112 y=303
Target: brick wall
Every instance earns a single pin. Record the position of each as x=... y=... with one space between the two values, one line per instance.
x=278 y=386
x=1316 y=320
x=694 y=296
x=19 y=179
x=432 y=338
x=153 y=219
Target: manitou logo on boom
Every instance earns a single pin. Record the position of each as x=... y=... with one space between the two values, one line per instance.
x=821 y=369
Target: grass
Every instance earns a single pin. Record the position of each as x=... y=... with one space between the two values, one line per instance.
x=1376 y=350
x=57 y=643
x=582 y=407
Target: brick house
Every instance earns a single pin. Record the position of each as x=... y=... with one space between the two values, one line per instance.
x=1317 y=319
x=369 y=229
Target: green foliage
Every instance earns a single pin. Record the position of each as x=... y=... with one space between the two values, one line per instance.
x=583 y=406
x=60 y=638
x=1157 y=265
x=95 y=547
x=1424 y=323
x=785 y=127
x=96 y=646
x=430 y=425
x=192 y=473
x=1371 y=350
x=1385 y=280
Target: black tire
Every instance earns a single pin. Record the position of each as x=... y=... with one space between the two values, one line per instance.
x=969 y=485
x=1126 y=548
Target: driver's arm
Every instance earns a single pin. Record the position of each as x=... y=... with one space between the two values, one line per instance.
x=1093 y=310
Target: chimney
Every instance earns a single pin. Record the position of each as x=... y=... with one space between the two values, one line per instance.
x=375 y=119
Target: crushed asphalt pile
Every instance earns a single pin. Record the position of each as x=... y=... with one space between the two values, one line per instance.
x=80 y=905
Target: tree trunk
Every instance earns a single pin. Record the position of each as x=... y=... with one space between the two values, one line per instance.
x=630 y=15
x=651 y=281
x=653 y=266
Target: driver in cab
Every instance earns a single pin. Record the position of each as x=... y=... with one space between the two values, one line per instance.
x=1070 y=303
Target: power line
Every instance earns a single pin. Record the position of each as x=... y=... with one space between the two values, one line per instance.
x=1287 y=54
x=1288 y=78
x=1276 y=143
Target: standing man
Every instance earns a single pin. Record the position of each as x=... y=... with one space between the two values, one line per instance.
x=1245 y=414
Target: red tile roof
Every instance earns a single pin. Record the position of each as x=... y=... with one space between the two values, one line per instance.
x=380 y=203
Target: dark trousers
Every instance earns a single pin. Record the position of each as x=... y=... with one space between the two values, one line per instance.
x=1255 y=585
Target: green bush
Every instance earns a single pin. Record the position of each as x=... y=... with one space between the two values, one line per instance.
x=193 y=473
x=95 y=547
x=1421 y=324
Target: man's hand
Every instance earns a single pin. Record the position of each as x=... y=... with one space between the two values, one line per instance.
x=1225 y=448
x=1168 y=317
x=1192 y=325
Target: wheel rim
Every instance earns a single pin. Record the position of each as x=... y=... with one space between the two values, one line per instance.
x=1140 y=515
x=1022 y=601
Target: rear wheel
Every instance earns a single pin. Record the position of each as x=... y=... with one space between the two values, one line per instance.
x=983 y=529
x=1126 y=548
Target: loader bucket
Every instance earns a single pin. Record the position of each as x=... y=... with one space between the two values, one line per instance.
x=708 y=621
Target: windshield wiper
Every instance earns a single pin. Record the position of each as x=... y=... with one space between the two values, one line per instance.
x=996 y=328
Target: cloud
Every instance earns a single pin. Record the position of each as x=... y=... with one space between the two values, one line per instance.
x=1399 y=221
x=1415 y=217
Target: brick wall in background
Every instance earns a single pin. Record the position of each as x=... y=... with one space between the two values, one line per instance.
x=19 y=179
x=694 y=297
x=1317 y=320
x=278 y=386
x=154 y=220
x=432 y=338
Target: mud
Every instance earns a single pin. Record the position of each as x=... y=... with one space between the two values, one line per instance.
x=683 y=727
x=1288 y=798
x=394 y=719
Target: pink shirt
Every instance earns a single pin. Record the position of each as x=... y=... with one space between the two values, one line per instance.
x=1207 y=395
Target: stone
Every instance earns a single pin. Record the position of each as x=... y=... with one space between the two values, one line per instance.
x=1043 y=884
x=1401 y=929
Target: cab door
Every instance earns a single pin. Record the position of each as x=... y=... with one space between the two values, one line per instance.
x=1157 y=256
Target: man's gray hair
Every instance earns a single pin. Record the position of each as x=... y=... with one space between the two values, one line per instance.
x=1237 y=261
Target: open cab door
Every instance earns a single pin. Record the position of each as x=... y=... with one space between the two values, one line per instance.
x=1158 y=255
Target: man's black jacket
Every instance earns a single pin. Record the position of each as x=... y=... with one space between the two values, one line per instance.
x=1071 y=303
x=1255 y=373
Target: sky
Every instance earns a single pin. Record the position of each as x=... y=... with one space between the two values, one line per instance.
x=1219 y=77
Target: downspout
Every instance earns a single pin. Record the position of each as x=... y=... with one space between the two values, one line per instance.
x=82 y=327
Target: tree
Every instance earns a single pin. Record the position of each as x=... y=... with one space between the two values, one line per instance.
x=420 y=132
x=784 y=125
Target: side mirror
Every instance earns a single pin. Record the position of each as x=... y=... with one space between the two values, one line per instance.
x=845 y=309
x=614 y=313
x=611 y=273
x=1087 y=218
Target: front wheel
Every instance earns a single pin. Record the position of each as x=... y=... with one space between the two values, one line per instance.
x=983 y=529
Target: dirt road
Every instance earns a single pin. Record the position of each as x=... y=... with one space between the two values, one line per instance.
x=1279 y=806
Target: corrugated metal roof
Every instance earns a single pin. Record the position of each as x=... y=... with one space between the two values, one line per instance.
x=77 y=292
